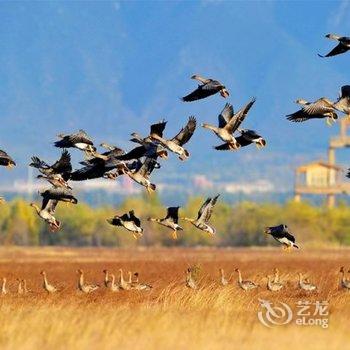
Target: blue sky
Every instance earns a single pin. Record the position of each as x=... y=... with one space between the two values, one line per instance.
x=114 y=67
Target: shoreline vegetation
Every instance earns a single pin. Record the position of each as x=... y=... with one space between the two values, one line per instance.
x=238 y=225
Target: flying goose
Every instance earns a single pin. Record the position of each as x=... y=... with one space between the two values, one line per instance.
x=342 y=47
x=46 y=212
x=6 y=160
x=344 y=283
x=129 y=221
x=246 y=138
x=79 y=140
x=56 y=180
x=170 y=221
x=142 y=173
x=59 y=194
x=343 y=102
x=46 y=285
x=229 y=123
x=272 y=285
x=85 y=288
x=305 y=284
x=207 y=88
x=175 y=144
x=282 y=235
x=62 y=166
x=204 y=215
x=245 y=285
x=189 y=281
x=319 y=109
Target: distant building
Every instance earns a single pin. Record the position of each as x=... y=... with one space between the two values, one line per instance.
x=324 y=178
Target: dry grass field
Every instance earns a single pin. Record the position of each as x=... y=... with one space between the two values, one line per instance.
x=170 y=316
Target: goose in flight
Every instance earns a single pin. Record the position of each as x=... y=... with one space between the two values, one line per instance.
x=246 y=138
x=171 y=220
x=342 y=47
x=58 y=194
x=229 y=123
x=204 y=215
x=321 y=108
x=142 y=173
x=79 y=140
x=207 y=87
x=148 y=148
x=6 y=160
x=46 y=213
x=129 y=221
x=175 y=144
x=343 y=102
x=282 y=235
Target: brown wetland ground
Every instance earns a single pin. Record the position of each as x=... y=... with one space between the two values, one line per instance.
x=170 y=316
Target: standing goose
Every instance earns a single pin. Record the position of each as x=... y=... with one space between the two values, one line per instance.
x=342 y=47
x=276 y=277
x=106 y=280
x=343 y=102
x=245 y=285
x=175 y=144
x=282 y=235
x=207 y=88
x=62 y=166
x=140 y=286
x=223 y=280
x=229 y=123
x=59 y=194
x=3 y=286
x=321 y=108
x=190 y=282
x=272 y=285
x=85 y=288
x=6 y=160
x=344 y=283
x=123 y=284
x=112 y=286
x=129 y=221
x=79 y=140
x=46 y=213
x=170 y=221
x=305 y=284
x=204 y=215
x=46 y=285
x=20 y=290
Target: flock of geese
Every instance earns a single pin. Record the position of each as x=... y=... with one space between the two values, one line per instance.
x=144 y=157
x=274 y=283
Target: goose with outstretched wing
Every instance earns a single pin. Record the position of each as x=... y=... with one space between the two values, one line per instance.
x=129 y=221
x=80 y=140
x=342 y=47
x=343 y=102
x=204 y=215
x=46 y=212
x=319 y=109
x=228 y=123
x=207 y=87
x=171 y=220
x=175 y=144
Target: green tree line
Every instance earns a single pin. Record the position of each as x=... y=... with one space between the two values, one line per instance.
x=241 y=224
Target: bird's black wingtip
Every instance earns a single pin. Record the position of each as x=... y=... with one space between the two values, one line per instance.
x=321 y=56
